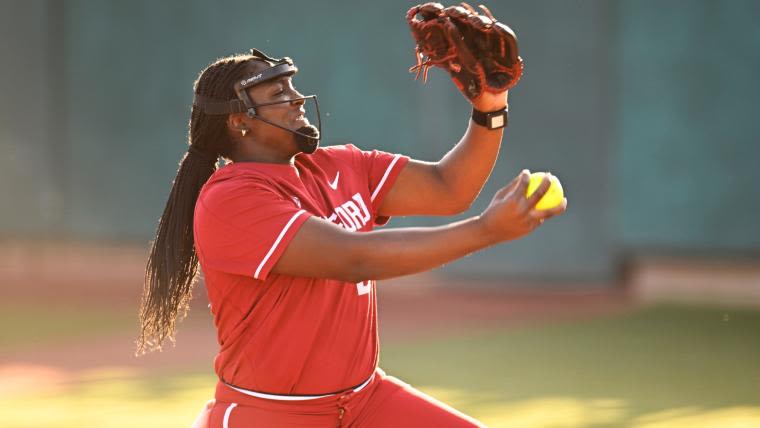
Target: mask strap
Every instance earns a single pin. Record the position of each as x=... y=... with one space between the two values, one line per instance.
x=212 y=106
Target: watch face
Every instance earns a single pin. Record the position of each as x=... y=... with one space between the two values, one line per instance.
x=497 y=121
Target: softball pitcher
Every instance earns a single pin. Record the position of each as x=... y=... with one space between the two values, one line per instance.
x=285 y=236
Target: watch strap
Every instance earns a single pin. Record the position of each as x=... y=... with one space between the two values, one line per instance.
x=491 y=120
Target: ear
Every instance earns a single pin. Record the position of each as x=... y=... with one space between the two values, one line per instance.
x=236 y=122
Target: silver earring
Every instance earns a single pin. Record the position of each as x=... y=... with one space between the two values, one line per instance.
x=243 y=132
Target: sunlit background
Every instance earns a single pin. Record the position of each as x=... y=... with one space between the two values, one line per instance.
x=638 y=308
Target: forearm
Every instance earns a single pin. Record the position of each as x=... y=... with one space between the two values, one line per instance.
x=396 y=252
x=322 y=249
x=449 y=186
x=465 y=169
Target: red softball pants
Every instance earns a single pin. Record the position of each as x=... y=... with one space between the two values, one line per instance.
x=384 y=402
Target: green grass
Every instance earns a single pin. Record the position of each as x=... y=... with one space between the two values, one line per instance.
x=29 y=324
x=665 y=366
x=112 y=399
x=615 y=372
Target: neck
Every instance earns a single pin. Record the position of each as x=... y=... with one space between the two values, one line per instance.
x=263 y=153
x=264 y=159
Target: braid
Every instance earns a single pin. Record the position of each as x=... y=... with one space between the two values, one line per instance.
x=173 y=264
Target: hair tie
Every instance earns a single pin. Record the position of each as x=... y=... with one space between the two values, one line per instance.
x=200 y=154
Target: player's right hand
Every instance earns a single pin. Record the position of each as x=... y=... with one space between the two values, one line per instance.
x=511 y=214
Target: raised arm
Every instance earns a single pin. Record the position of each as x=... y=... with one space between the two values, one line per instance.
x=481 y=56
x=450 y=185
x=323 y=250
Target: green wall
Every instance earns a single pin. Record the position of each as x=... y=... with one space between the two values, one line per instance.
x=643 y=109
x=30 y=170
x=688 y=158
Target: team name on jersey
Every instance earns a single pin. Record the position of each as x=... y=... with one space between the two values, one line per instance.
x=352 y=214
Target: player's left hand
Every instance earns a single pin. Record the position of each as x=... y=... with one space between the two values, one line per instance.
x=479 y=52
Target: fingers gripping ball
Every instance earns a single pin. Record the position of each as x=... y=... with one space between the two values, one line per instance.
x=553 y=197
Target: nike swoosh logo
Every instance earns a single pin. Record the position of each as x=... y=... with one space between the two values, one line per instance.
x=334 y=184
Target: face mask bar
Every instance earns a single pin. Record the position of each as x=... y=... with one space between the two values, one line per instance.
x=251 y=112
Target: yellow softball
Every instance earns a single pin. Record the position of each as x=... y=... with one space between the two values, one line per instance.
x=553 y=196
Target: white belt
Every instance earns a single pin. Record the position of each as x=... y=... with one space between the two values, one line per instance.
x=294 y=397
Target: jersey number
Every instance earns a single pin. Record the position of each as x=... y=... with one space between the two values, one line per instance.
x=364 y=287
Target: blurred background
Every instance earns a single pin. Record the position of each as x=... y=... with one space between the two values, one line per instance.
x=639 y=307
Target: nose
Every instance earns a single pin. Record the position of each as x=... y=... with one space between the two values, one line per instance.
x=297 y=103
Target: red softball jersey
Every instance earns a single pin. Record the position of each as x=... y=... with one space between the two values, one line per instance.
x=283 y=334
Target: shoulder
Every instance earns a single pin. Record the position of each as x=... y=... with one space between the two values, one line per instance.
x=337 y=151
x=231 y=183
x=331 y=157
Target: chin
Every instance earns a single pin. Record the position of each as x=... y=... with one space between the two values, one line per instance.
x=309 y=130
x=308 y=144
x=308 y=147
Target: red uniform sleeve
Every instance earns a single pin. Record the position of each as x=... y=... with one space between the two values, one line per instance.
x=244 y=230
x=382 y=169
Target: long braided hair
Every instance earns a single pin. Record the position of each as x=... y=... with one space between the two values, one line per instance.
x=173 y=264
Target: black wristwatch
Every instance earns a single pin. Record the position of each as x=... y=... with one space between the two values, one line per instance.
x=491 y=120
